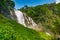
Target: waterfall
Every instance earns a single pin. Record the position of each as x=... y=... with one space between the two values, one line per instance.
x=24 y=19
x=20 y=17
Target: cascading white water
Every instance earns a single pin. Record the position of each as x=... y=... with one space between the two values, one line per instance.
x=24 y=20
x=20 y=17
x=48 y=33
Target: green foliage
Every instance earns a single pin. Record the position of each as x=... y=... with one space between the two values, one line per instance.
x=11 y=30
x=48 y=15
x=6 y=6
x=44 y=35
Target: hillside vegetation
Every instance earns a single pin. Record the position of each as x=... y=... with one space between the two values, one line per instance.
x=11 y=30
x=47 y=16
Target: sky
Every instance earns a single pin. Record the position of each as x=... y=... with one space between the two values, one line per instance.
x=57 y=1
x=20 y=3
